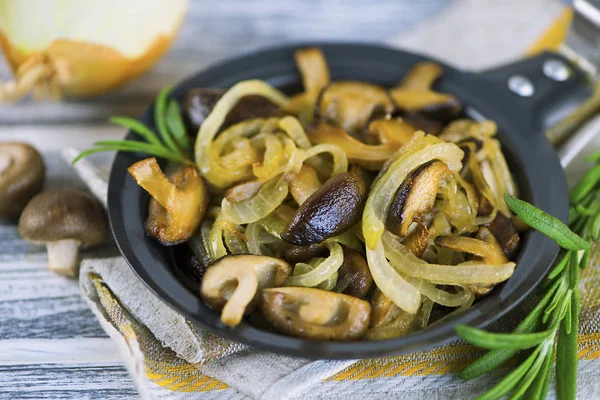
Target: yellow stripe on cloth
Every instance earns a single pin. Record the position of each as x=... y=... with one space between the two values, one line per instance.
x=163 y=366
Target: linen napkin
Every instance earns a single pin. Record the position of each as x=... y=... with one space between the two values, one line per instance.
x=171 y=358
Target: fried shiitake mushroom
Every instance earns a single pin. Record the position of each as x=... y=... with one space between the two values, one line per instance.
x=178 y=204
x=354 y=276
x=315 y=314
x=415 y=197
x=505 y=233
x=233 y=282
x=350 y=104
x=330 y=211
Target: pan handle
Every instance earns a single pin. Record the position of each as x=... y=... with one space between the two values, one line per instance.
x=547 y=87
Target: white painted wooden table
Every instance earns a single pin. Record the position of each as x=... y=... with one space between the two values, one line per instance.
x=51 y=346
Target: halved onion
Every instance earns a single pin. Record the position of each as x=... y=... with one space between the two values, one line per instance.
x=83 y=47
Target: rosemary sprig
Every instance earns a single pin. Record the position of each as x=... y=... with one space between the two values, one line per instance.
x=551 y=327
x=171 y=142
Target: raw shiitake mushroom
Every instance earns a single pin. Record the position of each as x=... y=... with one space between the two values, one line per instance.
x=233 y=282
x=178 y=204
x=21 y=177
x=415 y=197
x=315 y=314
x=64 y=220
x=330 y=211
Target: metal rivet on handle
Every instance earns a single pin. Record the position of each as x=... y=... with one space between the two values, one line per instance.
x=556 y=70
x=521 y=86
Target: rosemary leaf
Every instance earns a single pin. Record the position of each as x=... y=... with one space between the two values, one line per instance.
x=585 y=185
x=176 y=125
x=539 y=387
x=533 y=372
x=499 y=341
x=566 y=363
x=546 y=224
x=160 y=108
x=138 y=128
x=512 y=379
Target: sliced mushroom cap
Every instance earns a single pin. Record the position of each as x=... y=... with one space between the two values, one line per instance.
x=297 y=254
x=395 y=131
x=350 y=104
x=383 y=309
x=178 y=204
x=315 y=314
x=505 y=233
x=484 y=246
x=64 y=220
x=354 y=276
x=21 y=177
x=414 y=94
x=415 y=197
x=417 y=240
x=233 y=282
x=199 y=103
x=330 y=211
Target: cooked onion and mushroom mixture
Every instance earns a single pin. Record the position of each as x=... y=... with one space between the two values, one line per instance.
x=349 y=211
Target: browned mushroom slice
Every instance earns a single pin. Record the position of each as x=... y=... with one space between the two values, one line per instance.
x=315 y=76
x=395 y=131
x=350 y=104
x=303 y=184
x=330 y=211
x=383 y=309
x=416 y=241
x=368 y=156
x=421 y=76
x=315 y=314
x=178 y=204
x=414 y=94
x=354 y=276
x=439 y=106
x=297 y=254
x=199 y=103
x=243 y=191
x=21 y=177
x=232 y=284
x=484 y=246
x=421 y=122
x=505 y=233
x=415 y=197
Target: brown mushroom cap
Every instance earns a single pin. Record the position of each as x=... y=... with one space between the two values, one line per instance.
x=21 y=177
x=64 y=214
x=315 y=313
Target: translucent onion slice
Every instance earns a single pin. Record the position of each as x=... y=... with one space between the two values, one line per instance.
x=198 y=243
x=323 y=271
x=217 y=247
x=272 y=161
x=235 y=241
x=294 y=129
x=464 y=273
x=268 y=198
x=340 y=161
x=421 y=150
x=402 y=293
x=501 y=173
x=303 y=268
x=211 y=125
x=438 y=295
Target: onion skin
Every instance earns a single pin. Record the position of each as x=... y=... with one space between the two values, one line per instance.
x=86 y=69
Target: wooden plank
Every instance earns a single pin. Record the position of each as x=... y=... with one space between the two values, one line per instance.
x=58 y=351
x=66 y=381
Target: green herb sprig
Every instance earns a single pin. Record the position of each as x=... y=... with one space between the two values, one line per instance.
x=171 y=142
x=551 y=327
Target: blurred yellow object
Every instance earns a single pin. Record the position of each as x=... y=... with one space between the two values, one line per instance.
x=83 y=47
x=555 y=35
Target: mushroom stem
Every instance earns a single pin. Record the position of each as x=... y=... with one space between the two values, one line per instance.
x=63 y=257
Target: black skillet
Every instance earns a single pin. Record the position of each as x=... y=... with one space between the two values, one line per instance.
x=521 y=122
